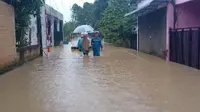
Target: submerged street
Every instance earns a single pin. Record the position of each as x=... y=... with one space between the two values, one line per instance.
x=121 y=80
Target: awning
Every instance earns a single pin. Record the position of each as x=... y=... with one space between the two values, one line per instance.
x=147 y=6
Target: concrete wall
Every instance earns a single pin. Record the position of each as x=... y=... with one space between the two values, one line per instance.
x=152 y=32
x=29 y=53
x=7 y=35
x=188 y=15
x=43 y=24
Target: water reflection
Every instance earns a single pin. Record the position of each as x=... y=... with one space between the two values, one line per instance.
x=118 y=81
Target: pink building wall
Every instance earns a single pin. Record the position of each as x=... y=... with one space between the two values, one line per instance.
x=182 y=1
x=188 y=15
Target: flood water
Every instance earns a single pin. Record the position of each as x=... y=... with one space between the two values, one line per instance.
x=121 y=80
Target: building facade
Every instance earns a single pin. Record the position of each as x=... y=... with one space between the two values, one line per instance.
x=166 y=26
x=43 y=29
x=52 y=26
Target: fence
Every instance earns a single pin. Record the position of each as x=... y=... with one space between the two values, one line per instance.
x=133 y=42
x=185 y=46
x=23 y=54
x=28 y=53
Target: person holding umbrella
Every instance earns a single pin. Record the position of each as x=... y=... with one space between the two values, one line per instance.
x=83 y=43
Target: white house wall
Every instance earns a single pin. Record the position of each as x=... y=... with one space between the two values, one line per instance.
x=34 y=38
x=33 y=28
x=43 y=27
x=52 y=32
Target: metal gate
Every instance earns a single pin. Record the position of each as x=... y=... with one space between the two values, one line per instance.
x=133 y=42
x=185 y=46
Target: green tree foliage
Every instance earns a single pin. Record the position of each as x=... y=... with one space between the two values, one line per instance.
x=98 y=12
x=89 y=14
x=23 y=10
x=114 y=26
x=83 y=15
x=108 y=17
x=78 y=14
x=68 y=29
x=88 y=11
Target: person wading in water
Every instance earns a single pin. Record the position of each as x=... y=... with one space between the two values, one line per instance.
x=96 y=45
x=85 y=45
x=80 y=41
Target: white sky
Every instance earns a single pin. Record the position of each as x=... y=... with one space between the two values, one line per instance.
x=64 y=6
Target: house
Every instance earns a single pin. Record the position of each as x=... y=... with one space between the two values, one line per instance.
x=52 y=26
x=170 y=29
x=43 y=29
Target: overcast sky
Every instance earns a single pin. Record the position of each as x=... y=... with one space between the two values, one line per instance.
x=64 y=6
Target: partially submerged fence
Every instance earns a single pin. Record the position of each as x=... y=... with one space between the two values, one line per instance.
x=185 y=46
x=28 y=53
x=23 y=54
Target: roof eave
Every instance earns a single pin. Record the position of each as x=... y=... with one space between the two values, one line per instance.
x=152 y=5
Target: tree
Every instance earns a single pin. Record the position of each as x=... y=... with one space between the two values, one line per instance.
x=69 y=28
x=108 y=17
x=90 y=13
x=98 y=12
x=114 y=26
x=78 y=14
x=83 y=15
x=23 y=10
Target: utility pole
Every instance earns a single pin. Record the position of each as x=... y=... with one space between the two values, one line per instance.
x=39 y=32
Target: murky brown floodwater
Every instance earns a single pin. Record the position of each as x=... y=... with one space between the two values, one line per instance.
x=119 y=81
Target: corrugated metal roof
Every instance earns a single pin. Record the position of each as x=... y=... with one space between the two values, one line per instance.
x=147 y=5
